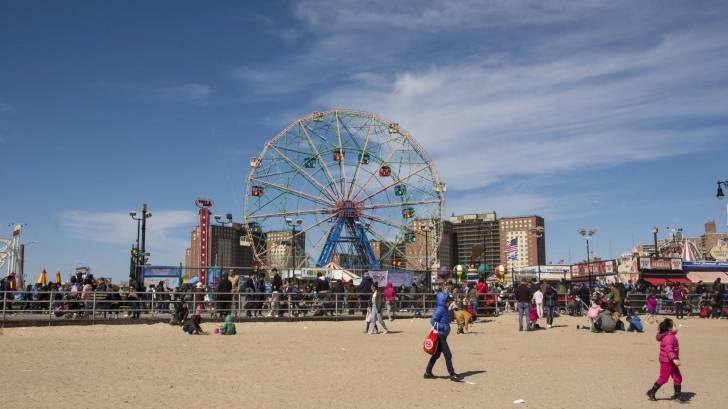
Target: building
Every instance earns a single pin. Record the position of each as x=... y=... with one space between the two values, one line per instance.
x=710 y=239
x=419 y=248
x=279 y=252
x=227 y=247
x=519 y=244
x=447 y=252
x=477 y=239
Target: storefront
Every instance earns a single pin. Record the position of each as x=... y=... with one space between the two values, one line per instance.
x=706 y=271
x=661 y=271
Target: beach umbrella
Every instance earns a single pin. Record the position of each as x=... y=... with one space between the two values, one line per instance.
x=43 y=278
x=58 y=277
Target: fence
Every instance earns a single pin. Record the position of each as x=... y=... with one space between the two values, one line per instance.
x=55 y=306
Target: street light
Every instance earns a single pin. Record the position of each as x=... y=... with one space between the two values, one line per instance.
x=135 y=256
x=538 y=233
x=587 y=234
x=427 y=228
x=290 y=222
x=719 y=194
x=655 y=230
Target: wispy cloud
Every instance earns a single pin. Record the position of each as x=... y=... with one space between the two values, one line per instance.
x=6 y=108
x=187 y=92
x=167 y=230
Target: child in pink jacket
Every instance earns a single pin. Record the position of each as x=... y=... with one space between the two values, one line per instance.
x=669 y=360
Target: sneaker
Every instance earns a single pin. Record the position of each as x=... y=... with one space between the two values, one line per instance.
x=456 y=378
x=385 y=332
x=428 y=376
x=548 y=326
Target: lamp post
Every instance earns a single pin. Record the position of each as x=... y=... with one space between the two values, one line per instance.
x=293 y=225
x=719 y=194
x=588 y=234
x=137 y=258
x=538 y=233
x=655 y=230
x=427 y=228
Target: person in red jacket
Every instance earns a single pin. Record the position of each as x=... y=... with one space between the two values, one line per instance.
x=669 y=360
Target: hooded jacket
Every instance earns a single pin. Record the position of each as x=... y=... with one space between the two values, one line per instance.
x=441 y=316
x=669 y=347
x=228 y=328
x=389 y=293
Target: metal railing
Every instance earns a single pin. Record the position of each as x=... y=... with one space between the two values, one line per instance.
x=54 y=306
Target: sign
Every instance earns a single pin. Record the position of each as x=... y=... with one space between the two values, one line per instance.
x=596 y=267
x=720 y=251
x=379 y=277
x=204 y=215
x=651 y=263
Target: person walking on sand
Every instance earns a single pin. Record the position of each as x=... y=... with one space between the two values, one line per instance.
x=376 y=310
x=538 y=299
x=669 y=361
x=550 y=300
x=390 y=296
x=440 y=321
x=523 y=304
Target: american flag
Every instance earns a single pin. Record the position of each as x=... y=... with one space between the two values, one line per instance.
x=512 y=246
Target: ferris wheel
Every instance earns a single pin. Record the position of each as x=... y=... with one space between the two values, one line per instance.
x=346 y=187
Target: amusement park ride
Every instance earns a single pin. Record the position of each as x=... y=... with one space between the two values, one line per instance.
x=356 y=181
x=11 y=254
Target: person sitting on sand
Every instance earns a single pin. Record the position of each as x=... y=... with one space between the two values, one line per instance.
x=604 y=322
x=618 y=323
x=192 y=326
x=228 y=328
x=635 y=324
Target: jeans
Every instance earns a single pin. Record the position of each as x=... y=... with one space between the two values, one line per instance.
x=442 y=348
x=679 y=314
x=549 y=310
x=523 y=312
x=376 y=318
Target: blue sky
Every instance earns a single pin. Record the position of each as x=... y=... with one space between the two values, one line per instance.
x=605 y=114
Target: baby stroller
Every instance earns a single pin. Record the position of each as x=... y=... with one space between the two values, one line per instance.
x=60 y=309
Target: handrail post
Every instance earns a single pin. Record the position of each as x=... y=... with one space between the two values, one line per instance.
x=50 y=308
x=5 y=298
x=93 y=308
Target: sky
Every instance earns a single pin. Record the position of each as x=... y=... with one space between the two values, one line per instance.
x=603 y=114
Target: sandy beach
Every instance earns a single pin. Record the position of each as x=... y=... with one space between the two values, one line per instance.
x=332 y=364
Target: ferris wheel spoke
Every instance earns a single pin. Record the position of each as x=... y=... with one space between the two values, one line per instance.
x=266 y=203
x=396 y=182
x=306 y=175
x=371 y=175
x=325 y=210
x=310 y=253
x=295 y=192
x=342 y=173
x=383 y=220
x=397 y=204
x=319 y=158
x=385 y=240
x=361 y=158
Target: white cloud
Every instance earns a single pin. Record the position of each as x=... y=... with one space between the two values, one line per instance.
x=167 y=230
x=484 y=121
x=185 y=92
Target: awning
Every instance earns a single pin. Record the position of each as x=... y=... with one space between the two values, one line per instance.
x=706 y=276
x=663 y=281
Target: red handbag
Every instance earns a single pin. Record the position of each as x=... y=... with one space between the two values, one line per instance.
x=430 y=344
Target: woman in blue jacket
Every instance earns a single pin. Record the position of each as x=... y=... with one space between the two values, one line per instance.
x=440 y=321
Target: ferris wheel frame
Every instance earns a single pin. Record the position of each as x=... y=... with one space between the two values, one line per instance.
x=344 y=200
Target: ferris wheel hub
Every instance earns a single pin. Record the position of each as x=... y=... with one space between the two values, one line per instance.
x=349 y=208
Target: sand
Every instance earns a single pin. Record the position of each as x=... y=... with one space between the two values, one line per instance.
x=332 y=364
